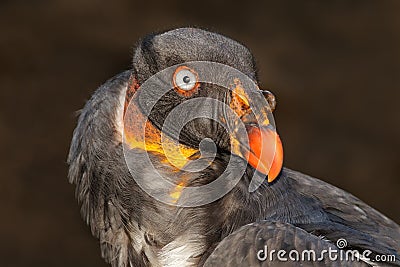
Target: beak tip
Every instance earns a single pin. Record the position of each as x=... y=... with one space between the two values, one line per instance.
x=266 y=154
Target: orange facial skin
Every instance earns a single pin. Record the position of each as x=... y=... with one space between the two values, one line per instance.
x=140 y=133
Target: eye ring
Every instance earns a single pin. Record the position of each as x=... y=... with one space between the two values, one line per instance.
x=185 y=80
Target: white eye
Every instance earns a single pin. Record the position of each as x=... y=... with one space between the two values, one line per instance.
x=185 y=79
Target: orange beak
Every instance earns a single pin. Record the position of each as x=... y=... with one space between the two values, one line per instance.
x=266 y=151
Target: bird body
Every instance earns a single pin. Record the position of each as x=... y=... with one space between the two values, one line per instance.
x=289 y=210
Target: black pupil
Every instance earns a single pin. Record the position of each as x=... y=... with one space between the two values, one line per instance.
x=186 y=79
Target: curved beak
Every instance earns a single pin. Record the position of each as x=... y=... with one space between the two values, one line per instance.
x=264 y=150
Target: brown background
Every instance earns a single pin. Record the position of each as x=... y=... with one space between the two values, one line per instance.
x=333 y=65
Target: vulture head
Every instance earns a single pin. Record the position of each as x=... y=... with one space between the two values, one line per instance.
x=127 y=141
x=176 y=154
x=207 y=84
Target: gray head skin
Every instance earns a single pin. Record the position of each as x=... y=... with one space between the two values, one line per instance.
x=295 y=212
x=159 y=51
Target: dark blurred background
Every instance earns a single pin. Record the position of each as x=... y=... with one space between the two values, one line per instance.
x=333 y=65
